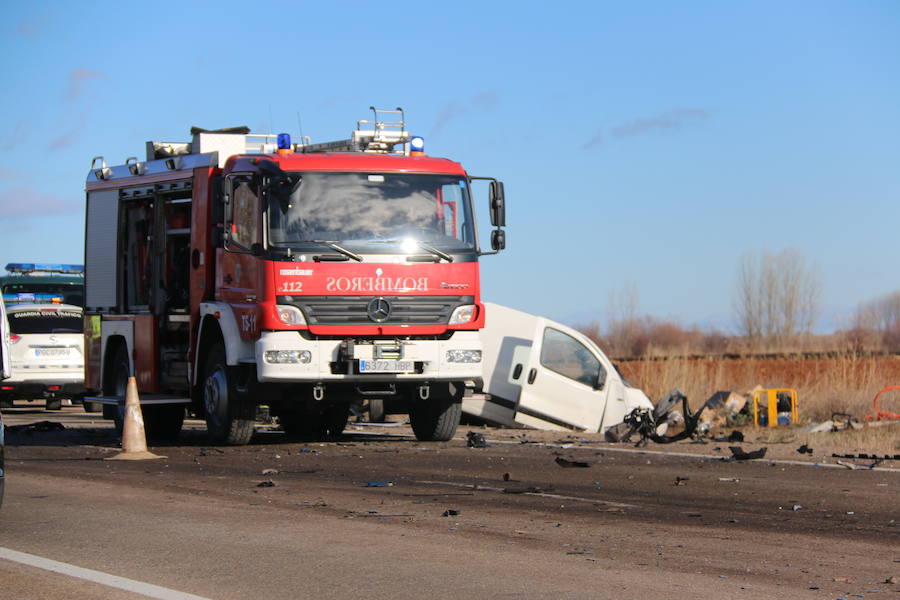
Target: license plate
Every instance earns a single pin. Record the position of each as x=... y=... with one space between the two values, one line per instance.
x=51 y=351
x=386 y=366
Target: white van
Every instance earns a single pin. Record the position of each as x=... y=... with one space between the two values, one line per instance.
x=542 y=374
x=45 y=353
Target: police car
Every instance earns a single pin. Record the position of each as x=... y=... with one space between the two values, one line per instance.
x=43 y=306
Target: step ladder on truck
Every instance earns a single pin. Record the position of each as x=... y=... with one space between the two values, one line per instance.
x=239 y=270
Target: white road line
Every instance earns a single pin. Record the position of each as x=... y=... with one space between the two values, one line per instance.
x=114 y=581
x=484 y=488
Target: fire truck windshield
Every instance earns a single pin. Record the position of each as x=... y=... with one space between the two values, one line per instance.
x=355 y=209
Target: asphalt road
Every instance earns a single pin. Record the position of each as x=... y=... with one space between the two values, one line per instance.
x=380 y=515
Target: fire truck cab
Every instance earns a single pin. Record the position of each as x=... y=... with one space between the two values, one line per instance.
x=240 y=270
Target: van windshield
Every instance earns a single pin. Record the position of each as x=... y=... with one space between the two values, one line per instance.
x=357 y=209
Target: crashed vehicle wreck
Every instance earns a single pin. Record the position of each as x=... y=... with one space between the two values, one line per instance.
x=541 y=374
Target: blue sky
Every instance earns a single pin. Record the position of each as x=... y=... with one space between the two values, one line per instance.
x=642 y=144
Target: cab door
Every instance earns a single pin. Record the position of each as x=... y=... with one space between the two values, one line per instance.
x=237 y=278
x=564 y=383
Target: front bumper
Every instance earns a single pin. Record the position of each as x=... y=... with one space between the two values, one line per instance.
x=329 y=360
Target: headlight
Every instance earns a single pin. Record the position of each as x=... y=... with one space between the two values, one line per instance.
x=464 y=356
x=290 y=314
x=462 y=314
x=288 y=356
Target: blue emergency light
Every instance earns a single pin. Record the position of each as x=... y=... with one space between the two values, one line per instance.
x=29 y=298
x=45 y=268
x=417 y=144
x=284 y=141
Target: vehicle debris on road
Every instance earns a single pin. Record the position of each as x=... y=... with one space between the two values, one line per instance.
x=738 y=453
x=476 y=440
x=569 y=464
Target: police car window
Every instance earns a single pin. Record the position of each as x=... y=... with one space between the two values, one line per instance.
x=45 y=321
x=570 y=358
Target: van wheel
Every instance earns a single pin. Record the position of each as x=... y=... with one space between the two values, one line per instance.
x=436 y=419
x=229 y=415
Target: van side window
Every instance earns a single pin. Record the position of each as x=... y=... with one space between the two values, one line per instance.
x=570 y=358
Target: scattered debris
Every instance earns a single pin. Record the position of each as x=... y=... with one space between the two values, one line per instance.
x=797 y=507
x=266 y=483
x=736 y=436
x=843 y=579
x=653 y=424
x=892 y=580
x=450 y=512
x=270 y=471
x=526 y=490
x=681 y=480
x=506 y=477
x=868 y=456
x=723 y=408
x=730 y=479
x=568 y=464
x=737 y=453
x=850 y=466
x=38 y=426
x=380 y=483
x=804 y=449
x=476 y=440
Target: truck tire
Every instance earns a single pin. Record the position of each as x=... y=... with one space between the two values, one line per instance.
x=436 y=419
x=229 y=415
x=118 y=383
x=376 y=410
x=91 y=407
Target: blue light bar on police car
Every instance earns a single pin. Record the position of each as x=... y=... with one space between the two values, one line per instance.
x=45 y=268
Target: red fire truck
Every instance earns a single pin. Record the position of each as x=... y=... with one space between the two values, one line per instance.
x=240 y=270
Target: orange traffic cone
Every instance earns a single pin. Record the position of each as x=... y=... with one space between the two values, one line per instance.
x=134 y=439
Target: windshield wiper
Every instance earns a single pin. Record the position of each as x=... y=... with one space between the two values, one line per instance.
x=330 y=244
x=422 y=245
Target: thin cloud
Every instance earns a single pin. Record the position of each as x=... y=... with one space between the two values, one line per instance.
x=668 y=121
x=25 y=201
x=664 y=122
x=78 y=78
x=454 y=109
x=594 y=141
x=30 y=27
x=70 y=137
x=448 y=113
x=16 y=138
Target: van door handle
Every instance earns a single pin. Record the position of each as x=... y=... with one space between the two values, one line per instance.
x=531 y=375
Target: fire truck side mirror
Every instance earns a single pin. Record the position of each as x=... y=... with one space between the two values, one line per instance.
x=498 y=204
x=498 y=239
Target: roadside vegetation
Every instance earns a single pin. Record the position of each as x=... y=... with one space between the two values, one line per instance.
x=772 y=344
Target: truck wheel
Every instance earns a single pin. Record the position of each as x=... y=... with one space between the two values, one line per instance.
x=118 y=380
x=436 y=419
x=229 y=416
x=376 y=410
x=91 y=407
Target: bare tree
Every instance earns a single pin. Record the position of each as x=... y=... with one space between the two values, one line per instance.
x=777 y=297
x=622 y=319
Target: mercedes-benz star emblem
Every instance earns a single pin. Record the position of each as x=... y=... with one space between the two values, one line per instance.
x=379 y=310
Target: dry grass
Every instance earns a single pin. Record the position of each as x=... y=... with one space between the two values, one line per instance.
x=845 y=384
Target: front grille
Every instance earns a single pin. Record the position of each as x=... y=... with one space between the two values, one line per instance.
x=352 y=310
